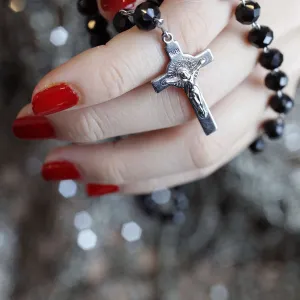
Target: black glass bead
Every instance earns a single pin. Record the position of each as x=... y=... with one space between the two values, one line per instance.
x=165 y=206
x=87 y=7
x=247 y=13
x=276 y=81
x=282 y=104
x=258 y=145
x=145 y=15
x=274 y=129
x=156 y=2
x=99 y=39
x=261 y=37
x=271 y=59
x=96 y=25
x=122 y=23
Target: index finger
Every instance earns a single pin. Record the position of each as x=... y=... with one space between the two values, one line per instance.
x=132 y=58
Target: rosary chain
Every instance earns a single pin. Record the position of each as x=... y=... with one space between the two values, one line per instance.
x=166 y=35
x=127 y=12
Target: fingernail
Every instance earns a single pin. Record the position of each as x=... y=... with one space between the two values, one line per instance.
x=94 y=190
x=60 y=170
x=54 y=99
x=33 y=128
x=115 y=5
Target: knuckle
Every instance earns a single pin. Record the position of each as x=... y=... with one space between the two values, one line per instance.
x=205 y=154
x=89 y=127
x=189 y=29
x=115 y=171
x=112 y=75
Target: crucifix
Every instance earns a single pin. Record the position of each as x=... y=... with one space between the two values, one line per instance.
x=182 y=72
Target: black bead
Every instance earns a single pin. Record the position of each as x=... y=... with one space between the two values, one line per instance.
x=247 y=13
x=96 y=25
x=282 y=104
x=172 y=209
x=99 y=39
x=156 y=2
x=258 y=145
x=87 y=7
x=261 y=37
x=122 y=23
x=271 y=59
x=145 y=15
x=274 y=128
x=276 y=81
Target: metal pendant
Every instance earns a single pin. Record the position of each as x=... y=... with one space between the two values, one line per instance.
x=182 y=72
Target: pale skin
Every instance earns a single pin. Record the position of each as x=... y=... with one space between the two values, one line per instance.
x=167 y=146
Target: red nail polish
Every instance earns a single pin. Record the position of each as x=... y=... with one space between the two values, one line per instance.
x=115 y=5
x=33 y=127
x=94 y=190
x=60 y=170
x=54 y=99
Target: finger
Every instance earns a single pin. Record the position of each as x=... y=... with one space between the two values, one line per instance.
x=148 y=186
x=172 y=150
x=104 y=73
x=142 y=110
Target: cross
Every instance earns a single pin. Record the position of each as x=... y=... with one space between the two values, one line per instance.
x=182 y=72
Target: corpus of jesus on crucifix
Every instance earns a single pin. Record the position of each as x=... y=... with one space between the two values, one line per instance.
x=182 y=72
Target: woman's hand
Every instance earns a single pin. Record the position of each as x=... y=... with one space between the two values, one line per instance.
x=106 y=92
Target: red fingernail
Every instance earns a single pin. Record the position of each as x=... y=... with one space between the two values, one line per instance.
x=60 y=170
x=54 y=99
x=33 y=128
x=115 y=5
x=94 y=190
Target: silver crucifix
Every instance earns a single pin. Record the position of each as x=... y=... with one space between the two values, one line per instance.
x=182 y=72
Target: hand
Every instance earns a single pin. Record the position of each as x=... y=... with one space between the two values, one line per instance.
x=105 y=92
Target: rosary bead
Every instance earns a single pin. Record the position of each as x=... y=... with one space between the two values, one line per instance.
x=276 y=81
x=258 y=145
x=156 y=2
x=247 y=13
x=87 y=7
x=122 y=23
x=281 y=104
x=274 y=128
x=99 y=39
x=261 y=37
x=271 y=59
x=145 y=15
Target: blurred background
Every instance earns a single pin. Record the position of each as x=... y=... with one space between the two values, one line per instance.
x=234 y=235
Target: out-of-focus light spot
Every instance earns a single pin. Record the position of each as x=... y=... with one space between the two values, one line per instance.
x=17 y=5
x=59 y=36
x=131 y=232
x=292 y=138
x=42 y=21
x=67 y=188
x=83 y=220
x=162 y=196
x=218 y=292
x=91 y=24
x=87 y=239
x=33 y=166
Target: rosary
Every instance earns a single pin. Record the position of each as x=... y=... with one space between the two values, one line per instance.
x=183 y=69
